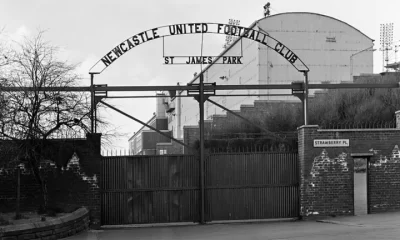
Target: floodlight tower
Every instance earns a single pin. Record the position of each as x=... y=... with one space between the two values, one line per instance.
x=386 y=40
x=231 y=38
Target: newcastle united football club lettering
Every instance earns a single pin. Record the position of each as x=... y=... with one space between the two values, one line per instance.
x=198 y=28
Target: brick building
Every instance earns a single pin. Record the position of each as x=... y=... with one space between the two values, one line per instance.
x=145 y=140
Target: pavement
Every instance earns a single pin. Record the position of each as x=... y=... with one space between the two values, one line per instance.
x=373 y=226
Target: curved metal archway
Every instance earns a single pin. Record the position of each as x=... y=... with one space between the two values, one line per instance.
x=197 y=28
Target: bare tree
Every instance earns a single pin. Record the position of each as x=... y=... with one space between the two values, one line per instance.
x=5 y=55
x=30 y=118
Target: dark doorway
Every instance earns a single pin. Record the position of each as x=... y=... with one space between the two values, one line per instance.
x=360 y=185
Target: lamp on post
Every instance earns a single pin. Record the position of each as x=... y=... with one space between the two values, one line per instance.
x=351 y=60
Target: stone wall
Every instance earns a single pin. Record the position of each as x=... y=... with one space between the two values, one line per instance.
x=62 y=227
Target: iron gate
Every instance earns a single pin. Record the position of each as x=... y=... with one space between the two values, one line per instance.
x=165 y=188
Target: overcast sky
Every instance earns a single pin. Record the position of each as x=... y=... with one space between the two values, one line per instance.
x=88 y=29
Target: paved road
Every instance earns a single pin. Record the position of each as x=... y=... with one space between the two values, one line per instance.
x=376 y=226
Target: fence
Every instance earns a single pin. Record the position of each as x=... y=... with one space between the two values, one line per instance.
x=74 y=134
x=165 y=188
x=359 y=125
x=117 y=152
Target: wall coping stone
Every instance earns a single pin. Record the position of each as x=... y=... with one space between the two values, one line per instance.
x=149 y=130
x=277 y=101
x=219 y=116
x=246 y=106
x=360 y=130
x=191 y=126
x=66 y=220
x=307 y=126
x=361 y=154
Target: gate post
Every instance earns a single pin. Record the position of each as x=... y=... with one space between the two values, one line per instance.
x=201 y=123
x=397 y=119
x=91 y=103
x=305 y=147
x=92 y=162
x=305 y=102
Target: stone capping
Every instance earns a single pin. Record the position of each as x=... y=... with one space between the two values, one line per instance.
x=360 y=130
x=307 y=126
x=149 y=130
x=361 y=154
x=61 y=227
x=219 y=116
x=246 y=106
x=163 y=144
x=191 y=126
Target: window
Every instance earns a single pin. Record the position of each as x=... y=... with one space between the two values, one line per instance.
x=163 y=151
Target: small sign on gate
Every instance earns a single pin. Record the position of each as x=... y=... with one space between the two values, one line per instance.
x=331 y=142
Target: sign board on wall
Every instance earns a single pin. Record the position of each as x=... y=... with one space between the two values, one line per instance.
x=331 y=142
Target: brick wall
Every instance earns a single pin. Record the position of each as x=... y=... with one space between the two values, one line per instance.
x=171 y=148
x=384 y=182
x=191 y=134
x=72 y=178
x=327 y=173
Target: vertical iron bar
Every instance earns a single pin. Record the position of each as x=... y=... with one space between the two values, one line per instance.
x=91 y=103
x=17 y=212
x=305 y=102
x=201 y=122
x=95 y=115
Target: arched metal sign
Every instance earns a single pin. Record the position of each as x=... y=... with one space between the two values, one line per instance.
x=196 y=28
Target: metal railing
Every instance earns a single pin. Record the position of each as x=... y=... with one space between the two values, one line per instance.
x=360 y=125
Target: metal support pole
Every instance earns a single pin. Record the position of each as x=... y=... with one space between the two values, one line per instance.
x=95 y=117
x=91 y=103
x=305 y=102
x=201 y=123
x=17 y=211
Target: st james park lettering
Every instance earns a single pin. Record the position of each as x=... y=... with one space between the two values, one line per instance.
x=203 y=60
x=198 y=28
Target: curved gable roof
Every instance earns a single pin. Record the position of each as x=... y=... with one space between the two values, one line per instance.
x=318 y=14
x=271 y=16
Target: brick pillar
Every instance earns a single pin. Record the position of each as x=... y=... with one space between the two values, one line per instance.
x=94 y=157
x=94 y=142
x=191 y=134
x=306 y=135
x=397 y=119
